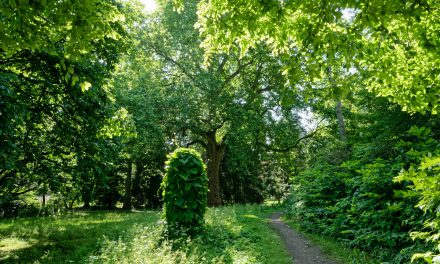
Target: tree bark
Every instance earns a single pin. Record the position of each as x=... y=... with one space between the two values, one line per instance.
x=214 y=152
x=139 y=194
x=341 y=122
x=127 y=196
x=339 y=116
x=86 y=193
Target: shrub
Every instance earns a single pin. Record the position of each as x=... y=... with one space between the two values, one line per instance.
x=27 y=206
x=185 y=188
x=358 y=202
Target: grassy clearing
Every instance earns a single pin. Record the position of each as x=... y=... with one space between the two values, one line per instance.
x=67 y=238
x=334 y=248
x=235 y=234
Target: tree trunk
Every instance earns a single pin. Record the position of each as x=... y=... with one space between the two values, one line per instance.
x=341 y=122
x=339 y=116
x=86 y=193
x=214 y=153
x=139 y=194
x=127 y=196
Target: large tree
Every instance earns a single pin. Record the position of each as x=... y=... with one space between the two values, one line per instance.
x=210 y=102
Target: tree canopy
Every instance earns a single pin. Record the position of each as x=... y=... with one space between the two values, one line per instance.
x=393 y=44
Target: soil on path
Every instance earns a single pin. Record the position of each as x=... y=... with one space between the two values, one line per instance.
x=301 y=250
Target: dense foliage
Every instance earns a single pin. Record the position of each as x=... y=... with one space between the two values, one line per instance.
x=425 y=182
x=394 y=44
x=185 y=189
x=355 y=196
x=53 y=101
x=332 y=104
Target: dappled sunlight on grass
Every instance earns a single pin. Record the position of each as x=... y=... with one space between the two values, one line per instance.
x=71 y=237
x=232 y=234
x=250 y=216
x=9 y=245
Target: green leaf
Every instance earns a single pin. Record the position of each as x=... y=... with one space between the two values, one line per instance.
x=74 y=80
x=179 y=202
x=85 y=86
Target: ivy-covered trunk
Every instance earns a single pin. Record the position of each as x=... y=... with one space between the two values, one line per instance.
x=214 y=153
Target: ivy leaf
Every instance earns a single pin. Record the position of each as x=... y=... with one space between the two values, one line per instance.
x=85 y=86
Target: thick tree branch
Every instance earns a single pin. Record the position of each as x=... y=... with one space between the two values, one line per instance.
x=222 y=64
x=237 y=71
x=23 y=192
x=294 y=145
x=196 y=141
x=168 y=58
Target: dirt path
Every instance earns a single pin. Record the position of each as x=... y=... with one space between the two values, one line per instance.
x=301 y=250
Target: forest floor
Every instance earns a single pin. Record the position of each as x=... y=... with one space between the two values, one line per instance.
x=299 y=248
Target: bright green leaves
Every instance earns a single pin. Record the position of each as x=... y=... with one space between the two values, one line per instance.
x=63 y=28
x=54 y=51
x=179 y=5
x=119 y=125
x=394 y=45
x=71 y=77
x=85 y=86
x=403 y=69
x=425 y=181
x=185 y=188
x=74 y=80
x=288 y=98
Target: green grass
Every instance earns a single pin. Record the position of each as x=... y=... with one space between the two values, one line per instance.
x=60 y=239
x=233 y=234
x=333 y=248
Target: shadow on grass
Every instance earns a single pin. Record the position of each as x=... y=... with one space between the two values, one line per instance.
x=70 y=238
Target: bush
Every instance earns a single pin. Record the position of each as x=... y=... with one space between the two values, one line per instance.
x=360 y=202
x=425 y=182
x=185 y=188
x=28 y=206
